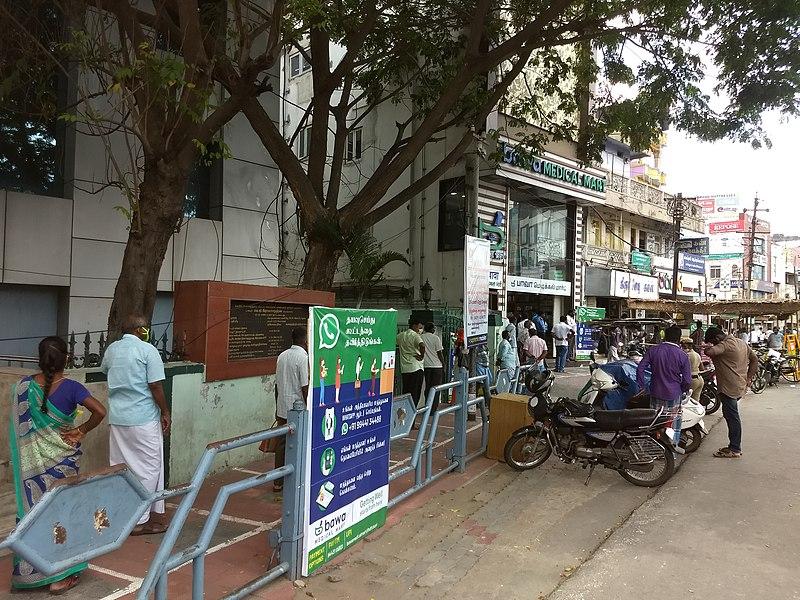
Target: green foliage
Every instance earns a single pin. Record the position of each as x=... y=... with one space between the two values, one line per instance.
x=367 y=260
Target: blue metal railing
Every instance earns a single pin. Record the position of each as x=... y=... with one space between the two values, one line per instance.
x=423 y=471
x=290 y=536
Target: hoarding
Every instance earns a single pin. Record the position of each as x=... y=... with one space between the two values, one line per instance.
x=476 y=290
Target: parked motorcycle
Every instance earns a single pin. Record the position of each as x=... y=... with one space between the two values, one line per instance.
x=635 y=443
x=709 y=397
x=614 y=386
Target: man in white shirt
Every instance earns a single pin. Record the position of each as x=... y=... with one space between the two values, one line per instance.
x=291 y=385
x=433 y=362
x=561 y=332
x=523 y=333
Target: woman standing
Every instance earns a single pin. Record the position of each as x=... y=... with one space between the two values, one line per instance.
x=45 y=446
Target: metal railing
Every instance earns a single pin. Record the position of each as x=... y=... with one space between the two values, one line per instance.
x=11 y=360
x=459 y=457
x=290 y=535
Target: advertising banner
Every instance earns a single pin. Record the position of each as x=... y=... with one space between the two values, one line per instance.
x=641 y=262
x=726 y=226
x=476 y=290
x=688 y=285
x=495 y=279
x=352 y=355
x=584 y=343
x=707 y=205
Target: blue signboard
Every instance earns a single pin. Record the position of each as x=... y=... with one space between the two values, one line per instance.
x=352 y=354
x=692 y=263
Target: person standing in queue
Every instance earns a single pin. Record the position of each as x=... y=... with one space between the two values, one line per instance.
x=291 y=380
x=433 y=362
x=671 y=375
x=735 y=366
x=412 y=353
x=535 y=349
x=138 y=414
x=561 y=333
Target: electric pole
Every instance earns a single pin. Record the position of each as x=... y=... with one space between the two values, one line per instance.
x=677 y=210
x=752 y=249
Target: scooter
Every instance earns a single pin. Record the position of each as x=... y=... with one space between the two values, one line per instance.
x=604 y=391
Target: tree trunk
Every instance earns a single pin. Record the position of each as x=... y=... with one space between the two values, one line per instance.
x=322 y=260
x=160 y=207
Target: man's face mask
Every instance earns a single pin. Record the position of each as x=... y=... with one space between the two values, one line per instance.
x=144 y=333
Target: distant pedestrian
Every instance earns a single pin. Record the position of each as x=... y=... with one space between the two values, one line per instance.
x=535 y=349
x=412 y=353
x=138 y=414
x=522 y=337
x=671 y=376
x=573 y=333
x=45 y=447
x=775 y=339
x=506 y=354
x=697 y=334
x=744 y=335
x=614 y=344
x=433 y=362
x=291 y=381
x=695 y=362
x=561 y=332
x=735 y=366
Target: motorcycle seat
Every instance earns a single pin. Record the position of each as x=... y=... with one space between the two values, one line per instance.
x=615 y=420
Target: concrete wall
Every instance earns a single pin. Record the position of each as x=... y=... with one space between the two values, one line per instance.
x=201 y=412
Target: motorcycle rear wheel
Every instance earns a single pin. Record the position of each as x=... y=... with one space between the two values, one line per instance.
x=527 y=448
x=664 y=466
x=691 y=439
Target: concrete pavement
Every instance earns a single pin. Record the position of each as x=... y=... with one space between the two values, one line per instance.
x=719 y=529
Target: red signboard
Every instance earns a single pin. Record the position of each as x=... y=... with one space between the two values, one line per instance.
x=707 y=204
x=727 y=226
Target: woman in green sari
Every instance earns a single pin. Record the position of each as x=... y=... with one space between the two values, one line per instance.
x=45 y=446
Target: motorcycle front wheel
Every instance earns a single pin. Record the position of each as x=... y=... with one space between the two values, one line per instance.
x=527 y=448
x=663 y=469
x=759 y=385
x=712 y=400
x=691 y=439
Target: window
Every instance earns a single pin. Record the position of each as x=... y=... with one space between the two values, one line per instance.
x=304 y=142
x=537 y=237
x=642 y=240
x=298 y=65
x=715 y=271
x=354 y=145
x=31 y=136
x=452 y=214
x=203 y=198
x=758 y=273
x=634 y=239
x=597 y=234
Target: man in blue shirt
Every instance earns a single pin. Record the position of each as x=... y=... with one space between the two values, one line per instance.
x=138 y=413
x=671 y=376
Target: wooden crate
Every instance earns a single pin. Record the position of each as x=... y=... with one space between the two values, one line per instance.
x=509 y=413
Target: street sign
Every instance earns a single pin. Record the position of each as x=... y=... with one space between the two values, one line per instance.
x=693 y=245
x=352 y=357
x=80 y=519
x=641 y=262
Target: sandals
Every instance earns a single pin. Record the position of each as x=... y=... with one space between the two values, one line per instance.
x=727 y=453
x=63 y=586
x=149 y=529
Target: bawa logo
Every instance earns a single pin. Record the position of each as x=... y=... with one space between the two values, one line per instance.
x=334 y=523
x=328 y=331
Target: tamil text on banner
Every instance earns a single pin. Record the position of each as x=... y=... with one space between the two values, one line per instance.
x=476 y=290
x=584 y=342
x=352 y=354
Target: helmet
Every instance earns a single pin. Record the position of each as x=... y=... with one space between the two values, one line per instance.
x=538 y=382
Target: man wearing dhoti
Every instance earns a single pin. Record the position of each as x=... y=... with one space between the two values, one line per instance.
x=138 y=413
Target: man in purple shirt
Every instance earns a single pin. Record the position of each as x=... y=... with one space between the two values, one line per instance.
x=671 y=376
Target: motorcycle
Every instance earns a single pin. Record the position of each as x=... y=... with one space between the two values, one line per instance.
x=769 y=370
x=635 y=443
x=615 y=387
x=709 y=397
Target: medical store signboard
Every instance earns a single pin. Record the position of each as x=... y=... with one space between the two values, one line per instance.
x=532 y=285
x=476 y=290
x=352 y=357
x=632 y=285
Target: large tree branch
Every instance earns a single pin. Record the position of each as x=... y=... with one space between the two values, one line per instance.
x=399 y=199
x=285 y=159
x=321 y=105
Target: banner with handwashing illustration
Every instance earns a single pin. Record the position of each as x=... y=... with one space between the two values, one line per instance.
x=352 y=354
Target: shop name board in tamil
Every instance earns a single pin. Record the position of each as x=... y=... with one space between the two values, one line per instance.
x=552 y=170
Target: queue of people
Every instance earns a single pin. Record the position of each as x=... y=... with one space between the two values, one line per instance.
x=47 y=431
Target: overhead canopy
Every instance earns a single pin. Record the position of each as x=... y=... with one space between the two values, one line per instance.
x=742 y=308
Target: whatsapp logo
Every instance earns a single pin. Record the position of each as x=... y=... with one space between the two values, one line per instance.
x=328 y=331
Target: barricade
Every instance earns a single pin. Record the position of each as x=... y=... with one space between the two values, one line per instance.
x=459 y=457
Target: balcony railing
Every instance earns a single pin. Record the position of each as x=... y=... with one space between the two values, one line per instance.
x=648 y=197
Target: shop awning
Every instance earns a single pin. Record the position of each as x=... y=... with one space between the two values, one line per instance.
x=741 y=308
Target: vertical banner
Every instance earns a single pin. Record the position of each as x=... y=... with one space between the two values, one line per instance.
x=352 y=355
x=476 y=290
x=584 y=344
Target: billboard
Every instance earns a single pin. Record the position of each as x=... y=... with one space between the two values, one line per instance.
x=476 y=290
x=352 y=356
x=707 y=205
x=727 y=226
